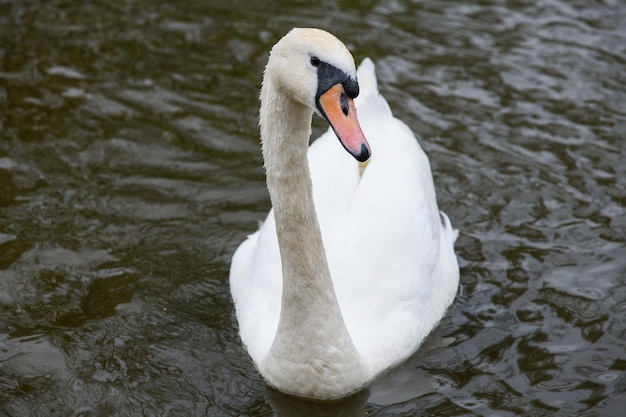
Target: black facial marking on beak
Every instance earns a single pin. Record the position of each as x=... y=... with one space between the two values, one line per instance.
x=328 y=75
x=352 y=87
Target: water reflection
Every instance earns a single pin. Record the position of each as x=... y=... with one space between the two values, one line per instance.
x=289 y=406
x=130 y=170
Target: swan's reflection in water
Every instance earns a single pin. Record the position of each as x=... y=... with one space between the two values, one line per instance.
x=289 y=406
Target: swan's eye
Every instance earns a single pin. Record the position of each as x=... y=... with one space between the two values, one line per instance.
x=315 y=61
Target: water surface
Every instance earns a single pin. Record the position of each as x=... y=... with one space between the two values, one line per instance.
x=130 y=171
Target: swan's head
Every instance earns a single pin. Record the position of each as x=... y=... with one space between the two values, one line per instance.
x=315 y=69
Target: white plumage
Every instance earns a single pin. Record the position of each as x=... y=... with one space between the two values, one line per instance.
x=390 y=257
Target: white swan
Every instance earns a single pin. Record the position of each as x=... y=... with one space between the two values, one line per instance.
x=353 y=266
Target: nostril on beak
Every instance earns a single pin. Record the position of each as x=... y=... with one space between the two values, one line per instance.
x=343 y=99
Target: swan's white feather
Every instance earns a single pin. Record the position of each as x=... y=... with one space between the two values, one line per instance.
x=390 y=256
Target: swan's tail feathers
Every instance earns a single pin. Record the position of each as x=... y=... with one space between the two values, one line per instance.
x=370 y=105
x=449 y=230
x=368 y=84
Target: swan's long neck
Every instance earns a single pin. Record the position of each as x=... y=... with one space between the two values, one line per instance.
x=312 y=350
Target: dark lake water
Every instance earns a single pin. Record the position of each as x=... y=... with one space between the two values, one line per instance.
x=130 y=170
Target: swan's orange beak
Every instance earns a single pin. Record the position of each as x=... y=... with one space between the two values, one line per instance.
x=340 y=112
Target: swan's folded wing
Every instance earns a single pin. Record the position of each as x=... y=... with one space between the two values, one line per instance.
x=255 y=284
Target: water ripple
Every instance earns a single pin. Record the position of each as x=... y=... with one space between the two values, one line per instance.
x=130 y=170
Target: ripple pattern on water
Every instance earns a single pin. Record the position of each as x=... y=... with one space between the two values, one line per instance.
x=130 y=171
